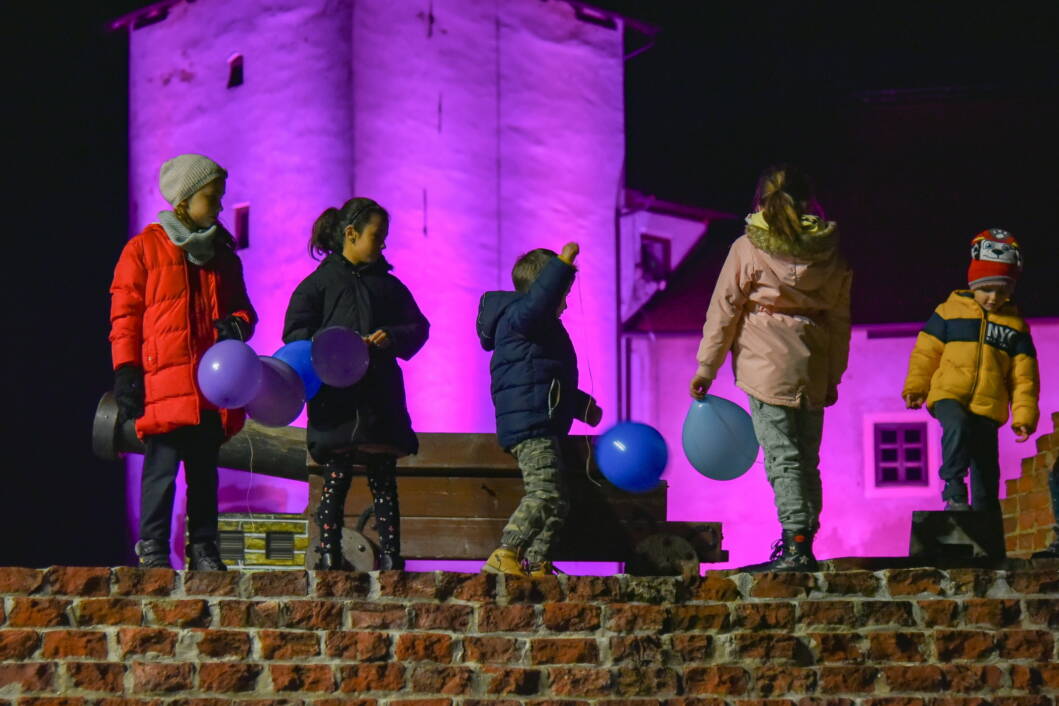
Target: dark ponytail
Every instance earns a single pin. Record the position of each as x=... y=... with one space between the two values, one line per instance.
x=329 y=230
x=784 y=194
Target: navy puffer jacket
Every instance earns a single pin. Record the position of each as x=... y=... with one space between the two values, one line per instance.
x=534 y=365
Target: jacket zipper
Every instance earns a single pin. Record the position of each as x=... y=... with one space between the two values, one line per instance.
x=983 y=327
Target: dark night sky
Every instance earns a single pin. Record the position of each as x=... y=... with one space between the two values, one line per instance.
x=728 y=88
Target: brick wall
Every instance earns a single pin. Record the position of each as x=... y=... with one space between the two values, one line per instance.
x=1028 y=518
x=890 y=638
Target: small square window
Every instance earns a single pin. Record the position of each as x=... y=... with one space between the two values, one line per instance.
x=900 y=449
x=235 y=70
x=888 y=436
x=913 y=453
x=889 y=474
x=242 y=226
x=912 y=436
x=913 y=473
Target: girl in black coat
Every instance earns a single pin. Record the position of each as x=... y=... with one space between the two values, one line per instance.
x=366 y=424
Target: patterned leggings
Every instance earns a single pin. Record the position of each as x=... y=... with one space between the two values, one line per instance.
x=382 y=481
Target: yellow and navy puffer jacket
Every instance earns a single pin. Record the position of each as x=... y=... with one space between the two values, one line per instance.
x=983 y=360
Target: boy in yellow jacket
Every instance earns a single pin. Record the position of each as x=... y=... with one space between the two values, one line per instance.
x=971 y=361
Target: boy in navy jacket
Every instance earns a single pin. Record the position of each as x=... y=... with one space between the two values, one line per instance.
x=534 y=389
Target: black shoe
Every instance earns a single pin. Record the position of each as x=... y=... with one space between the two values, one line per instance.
x=792 y=553
x=153 y=553
x=331 y=560
x=390 y=562
x=1050 y=552
x=204 y=556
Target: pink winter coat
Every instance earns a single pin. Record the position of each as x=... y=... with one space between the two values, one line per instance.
x=782 y=308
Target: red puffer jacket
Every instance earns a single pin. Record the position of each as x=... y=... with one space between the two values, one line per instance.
x=161 y=319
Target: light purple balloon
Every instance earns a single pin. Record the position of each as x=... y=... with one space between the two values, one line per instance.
x=340 y=356
x=229 y=374
x=281 y=397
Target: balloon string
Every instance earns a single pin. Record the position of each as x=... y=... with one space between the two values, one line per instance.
x=591 y=396
x=250 y=485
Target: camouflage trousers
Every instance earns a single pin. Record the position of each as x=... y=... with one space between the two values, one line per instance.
x=535 y=524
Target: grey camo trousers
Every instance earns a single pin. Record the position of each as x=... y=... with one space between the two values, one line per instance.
x=535 y=524
x=791 y=439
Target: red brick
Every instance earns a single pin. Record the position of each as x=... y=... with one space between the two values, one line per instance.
x=990 y=611
x=571 y=617
x=580 y=681
x=972 y=582
x=593 y=589
x=646 y=681
x=60 y=644
x=279 y=583
x=156 y=677
x=97 y=676
x=782 y=585
x=972 y=678
x=477 y=588
x=38 y=612
x=212 y=583
x=846 y=680
x=372 y=677
x=897 y=647
x=490 y=650
x=18 y=644
x=771 y=680
x=109 y=611
x=698 y=617
x=251 y=614
x=78 y=580
x=408 y=584
x=342 y=584
x=181 y=613
x=17 y=579
x=647 y=649
x=963 y=644
x=1043 y=611
x=764 y=616
x=839 y=613
x=121 y=701
x=51 y=701
x=142 y=641
x=378 y=616
x=652 y=589
x=564 y=651
x=520 y=590
x=631 y=617
x=1028 y=582
x=847 y=583
x=433 y=616
x=358 y=646
x=723 y=680
x=130 y=581
x=887 y=613
x=31 y=676
x=690 y=647
x=511 y=680
x=915 y=678
x=279 y=644
x=228 y=677
x=314 y=615
x=761 y=645
x=1035 y=677
x=430 y=679
x=713 y=587
x=420 y=702
x=939 y=613
x=302 y=677
x=838 y=646
x=515 y=618
x=424 y=647
x=1025 y=644
x=223 y=643
x=910 y=582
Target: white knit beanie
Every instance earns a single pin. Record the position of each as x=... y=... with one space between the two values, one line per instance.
x=181 y=176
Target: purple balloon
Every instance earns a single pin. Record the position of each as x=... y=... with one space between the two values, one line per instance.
x=229 y=374
x=340 y=356
x=281 y=397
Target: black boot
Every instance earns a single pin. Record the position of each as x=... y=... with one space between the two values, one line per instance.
x=792 y=553
x=153 y=553
x=331 y=559
x=204 y=556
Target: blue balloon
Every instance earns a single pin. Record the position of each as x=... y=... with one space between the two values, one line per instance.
x=632 y=456
x=719 y=438
x=298 y=355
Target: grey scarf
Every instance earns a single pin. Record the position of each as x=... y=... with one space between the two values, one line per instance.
x=197 y=245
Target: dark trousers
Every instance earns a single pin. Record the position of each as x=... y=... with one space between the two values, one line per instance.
x=968 y=439
x=197 y=446
x=382 y=481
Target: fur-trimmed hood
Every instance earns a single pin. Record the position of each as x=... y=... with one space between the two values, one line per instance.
x=817 y=240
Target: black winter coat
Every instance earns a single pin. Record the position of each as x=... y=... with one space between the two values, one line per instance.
x=364 y=298
x=534 y=365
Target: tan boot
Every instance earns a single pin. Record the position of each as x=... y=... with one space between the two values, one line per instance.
x=503 y=561
x=542 y=569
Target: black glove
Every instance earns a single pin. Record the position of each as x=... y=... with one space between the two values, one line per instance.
x=232 y=328
x=128 y=392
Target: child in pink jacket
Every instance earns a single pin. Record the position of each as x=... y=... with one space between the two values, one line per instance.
x=781 y=306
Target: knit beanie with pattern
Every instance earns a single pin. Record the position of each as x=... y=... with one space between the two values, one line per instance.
x=181 y=176
x=995 y=259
